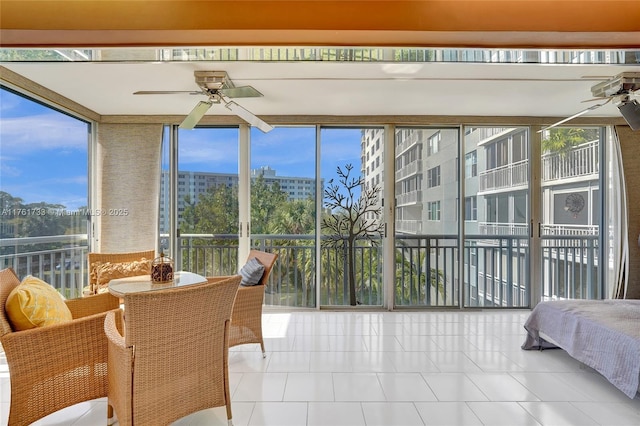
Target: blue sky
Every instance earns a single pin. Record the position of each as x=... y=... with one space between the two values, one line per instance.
x=43 y=153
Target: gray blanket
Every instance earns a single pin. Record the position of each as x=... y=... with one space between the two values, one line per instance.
x=603 y=334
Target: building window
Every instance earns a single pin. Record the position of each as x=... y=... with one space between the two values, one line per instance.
x=433 y=143
x=433 y=210
x=471 y=208
x=471 y=164
x=433 y=177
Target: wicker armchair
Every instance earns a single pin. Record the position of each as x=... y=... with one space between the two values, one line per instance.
x=56 y=366
x=179 y=340
x=246 y=318
x=94 y=259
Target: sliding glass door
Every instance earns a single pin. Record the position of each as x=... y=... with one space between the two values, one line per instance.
x=426 y=216
x=283 y=211
x=496 y=214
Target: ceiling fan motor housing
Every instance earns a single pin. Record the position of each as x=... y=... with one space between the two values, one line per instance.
x=213 y=80
x=623 y=83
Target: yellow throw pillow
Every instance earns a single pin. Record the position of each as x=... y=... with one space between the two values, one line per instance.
x=34 y=303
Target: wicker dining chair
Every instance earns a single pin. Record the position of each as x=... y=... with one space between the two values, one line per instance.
x=96 y=259
x=172 y=358
x=246 y=318
x=55 y=366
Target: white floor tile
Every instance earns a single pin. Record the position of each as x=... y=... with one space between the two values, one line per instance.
x=309 y=387
x=395 y=368
x=260 y=387
x=550 y=360
x=279 y=414
x=557 y=414
x=371 y=362
x=282 y=362
x=5 y=389
x=502 y=414
x=382 y=343
x=335 y=414
x=612 y=413
x=412 y=362
x=595 y=386
x=492 y=361
x=391 y=414
x=242 y=362
x=71 y=415
x=405 y=387
x=447 y=414
x=453 y=387
x=330 y=362
x=501 y=387
x=357 y=387
x=4 y=412
x=550 y=388
x=452 y=362
x=418 y=343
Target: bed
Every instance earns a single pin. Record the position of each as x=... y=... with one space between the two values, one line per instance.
x=602 y=334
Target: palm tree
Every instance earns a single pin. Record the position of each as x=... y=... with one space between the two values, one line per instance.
x=561 y=140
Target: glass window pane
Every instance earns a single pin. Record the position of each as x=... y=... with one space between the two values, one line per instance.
x=283 y=211
x=43 y=192
x=570 y=212
x=207 y=195
x=497 y=232
x=352 y=220
x=426 y=216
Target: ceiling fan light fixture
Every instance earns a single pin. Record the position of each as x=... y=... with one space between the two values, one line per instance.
x=195 y=115
x=248 y=117
x=631 y=112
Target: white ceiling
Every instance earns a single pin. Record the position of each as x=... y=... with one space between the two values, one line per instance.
x=334 y=88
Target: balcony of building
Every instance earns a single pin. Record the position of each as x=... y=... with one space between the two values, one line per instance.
x=579 y=163
x=511 y=177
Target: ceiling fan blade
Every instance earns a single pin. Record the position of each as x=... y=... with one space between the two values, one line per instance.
x=240 y=92
x=196 y=115
x=584 y=111
x=248 y=116
x=596 y=99
x=165 y=92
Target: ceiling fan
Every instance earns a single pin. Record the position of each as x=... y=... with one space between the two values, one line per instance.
x=620 y=89
x=217 y=86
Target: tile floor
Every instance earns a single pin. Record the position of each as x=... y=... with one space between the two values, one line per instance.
x=396 y=368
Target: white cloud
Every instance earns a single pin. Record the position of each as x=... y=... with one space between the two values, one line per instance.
x=51 y=131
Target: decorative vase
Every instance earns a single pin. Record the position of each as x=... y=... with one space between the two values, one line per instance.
x=162 y=269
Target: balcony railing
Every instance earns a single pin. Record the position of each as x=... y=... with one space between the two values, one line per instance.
x=510 y=176
x=495 y=267
x=60 y=260
x=409 y=198
x=579 y=162
x=325 y=54
x=409 y=226
x=496 y=229
x=409 y=170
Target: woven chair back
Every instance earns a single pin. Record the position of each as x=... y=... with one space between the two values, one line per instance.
x=8 y=281
x=180 y=342
x=95 y=259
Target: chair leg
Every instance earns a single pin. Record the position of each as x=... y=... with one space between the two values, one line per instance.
x=264 y=353
x=230 y=422
x=110 y=418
